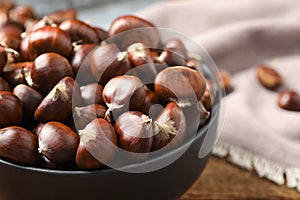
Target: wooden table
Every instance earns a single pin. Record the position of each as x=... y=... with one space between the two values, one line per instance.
x=221 y=180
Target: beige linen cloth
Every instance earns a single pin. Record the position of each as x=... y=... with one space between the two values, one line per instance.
x=257 y=134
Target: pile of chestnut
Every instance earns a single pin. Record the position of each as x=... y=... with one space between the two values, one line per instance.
x=68 y=89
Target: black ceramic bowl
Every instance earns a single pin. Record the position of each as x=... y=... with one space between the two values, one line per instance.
x=170 y=182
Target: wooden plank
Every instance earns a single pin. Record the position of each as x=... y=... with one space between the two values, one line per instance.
x=221 y=180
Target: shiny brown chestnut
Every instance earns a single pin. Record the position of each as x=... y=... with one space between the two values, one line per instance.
x=289 y=100
x=79 y=30
x=58 y=143
x=61 y=15
x=18 y=145
x=11 y=109
x=57 y=105
x=170 y=126
x=174 y=53
x=4 y=51
x=37 y=129
x=123 y=92
x=4 y=85
x=81 y=62
x=149 y=36
x=46 y=39
x=209 y=95
x=14 y=73
x=80 y=53
x=269 y=77
x=10 y=35
x=176 y=45
x=98 y=145
x=179 y=84
x=135 y=133
x=194 y=63
x=21 y=14
x=92 y=94
x=47 y=70
x=225 y=81
x=138 y=54
x=34 y=25
x=102 y=34
x=203 y=113
x=30 y=99
x=84 y=115
x=107 y=62
x=152 y=105
x=171 y=58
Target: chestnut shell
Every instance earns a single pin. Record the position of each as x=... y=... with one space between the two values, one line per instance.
x=11 y=109
x=58 y=143
x=135 y=131
x=98 y=140
x=19 y=145
x=46 y=39
x=150 y=36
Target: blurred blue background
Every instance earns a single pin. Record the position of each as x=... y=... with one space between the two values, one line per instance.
x=97 y=12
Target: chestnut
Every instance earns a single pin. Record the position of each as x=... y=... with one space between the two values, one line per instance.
x=47 y=70
x=123 y=92
x=209 y=95
x=102 y=34
x=14 y=73
x=146 y=73
x=79 y=30
x=58 y=143
x=19 y=145
x=84 y=115
x=46 y=39
x=138 y=54
x=194 y=63
x=179 y=84
x=57 y=105
x=134 y=29
x=225 y=81
x=170 y=125
x=92 y=94
x=21 y=14
x=37 y=129
x=98 y=145
x=81 y=62
x=44 y=162
x=4 y=18
x=11 y=109
x=30 y=99
x=45 y=21
x=61 y=15
x=10 y=35
x=289 y=100
x=204 y=114
x=152 y=105
x=4 y=85
x=7 y=5
x=176 y=45
x=135 y=133
x=107 y=62
x=4 y=51
x=174 y=54
x=269 y=77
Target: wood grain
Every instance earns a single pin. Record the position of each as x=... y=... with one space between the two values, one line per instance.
x=221 y=180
